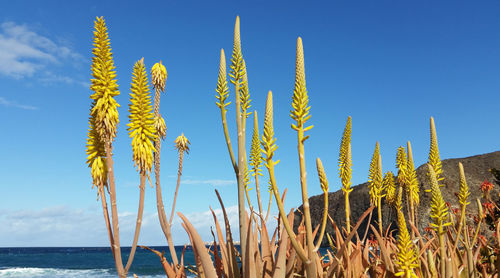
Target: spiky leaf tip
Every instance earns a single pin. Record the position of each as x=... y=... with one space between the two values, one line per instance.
x=222 y=88
x=159 y=76
x=237 y=70
x=323 y=181
x=141 y=128
x=104 y=85
x=255 y=151
x=439 y=210
x=300 y=99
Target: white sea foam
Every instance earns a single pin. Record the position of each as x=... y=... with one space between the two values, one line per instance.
x=29 y=272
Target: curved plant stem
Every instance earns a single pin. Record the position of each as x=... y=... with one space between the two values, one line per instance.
x=269 y=205
x=106 y=218
x=300 y=251
x=257 y=189
x=114 y=211
x=323 y=222
x=138 y=223
x=179 y=174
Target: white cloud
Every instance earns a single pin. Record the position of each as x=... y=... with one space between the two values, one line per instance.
x=10 y=103
x=23 y=52
x=65 y=226
x=214 y=182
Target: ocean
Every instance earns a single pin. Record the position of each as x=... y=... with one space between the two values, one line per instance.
x=72 y=262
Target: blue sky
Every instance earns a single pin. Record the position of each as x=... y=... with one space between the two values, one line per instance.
x=388 y=64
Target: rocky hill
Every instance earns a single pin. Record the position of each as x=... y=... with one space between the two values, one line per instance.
x=476 y=171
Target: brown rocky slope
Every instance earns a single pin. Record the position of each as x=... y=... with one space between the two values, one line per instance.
x=476 y=171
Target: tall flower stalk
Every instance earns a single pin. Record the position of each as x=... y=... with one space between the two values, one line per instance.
x=103 y=124
x=158 y=79
x=143 y=133
x=375 y=183
x=300 y=113
x=345 y=170
x=412 y=184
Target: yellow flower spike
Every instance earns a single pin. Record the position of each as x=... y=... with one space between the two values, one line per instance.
x=142 y=124
x=245 y=93
x=237 y=68
x=406 y=255
x=300 y=99
x=375 y=177
x=96 y=156
x=401 y=162
x=434 y=159
x=346 y=140
x=322 y=176
x=182 y=143
x=268 y=140
x=103 y=84
x=411 y=178
x=222 y=89
x=159 y=76
x=439 y=210
x=255 y=151
x=463 y=193
x=161 y=127
x=390 y=187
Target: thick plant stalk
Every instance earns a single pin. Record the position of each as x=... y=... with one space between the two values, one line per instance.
x=138 y=223
x=106 y=218
x=237 y=72
x=269 y=147
x=114 y=213
x=159 y=77
x=300 y=114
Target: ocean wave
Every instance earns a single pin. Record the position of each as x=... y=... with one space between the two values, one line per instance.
x=29 y=272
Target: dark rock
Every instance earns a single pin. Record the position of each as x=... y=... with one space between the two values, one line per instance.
x=476 y=171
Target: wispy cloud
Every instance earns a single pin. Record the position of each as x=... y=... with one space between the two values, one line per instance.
x=23 y=52
x=214 y=182
x=65 y=226
x=10 y=103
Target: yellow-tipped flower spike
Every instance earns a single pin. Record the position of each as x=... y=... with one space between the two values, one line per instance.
x=182 y=143
x=411 y=177
x=390 y=187
x=142 y=125
x=346 y=171
x=463 y=193
x=344 y=144
x=96 y=156
x=103 y=84
x=401 y=162
x=375 y=184
x=268 y=140
x=245 y=93
x=161 y=127
x=439 y=210
x=434 y=159
x=300 y=100
x=323 y=181
x=222 y=89
x=237 y=69
x=406 y=256
x=255 y=151
x=159 y=76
